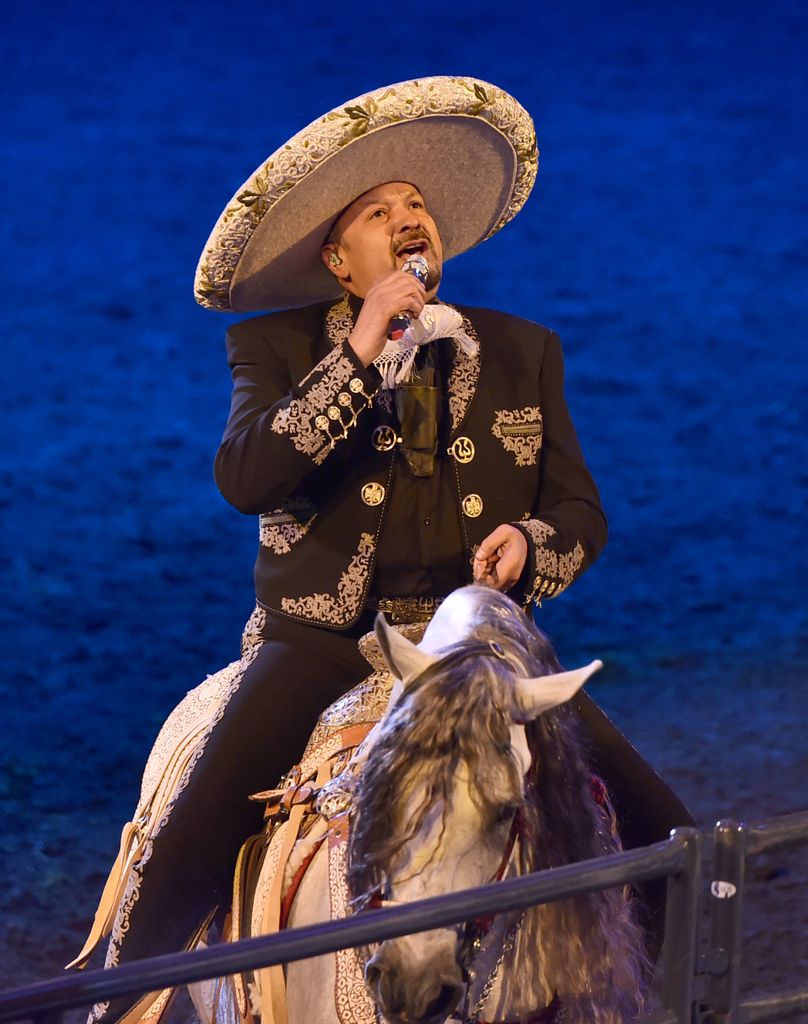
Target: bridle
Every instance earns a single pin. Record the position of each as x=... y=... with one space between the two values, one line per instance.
x=482 y=925
x=472 y=933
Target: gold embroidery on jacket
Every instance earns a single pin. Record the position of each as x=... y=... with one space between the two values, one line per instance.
x=342 y=608
x=298 y=418
x=339 y=321
x=540 y=531
x=463 y=378
x=285 y=526
x=520 y=431
x=553 y=570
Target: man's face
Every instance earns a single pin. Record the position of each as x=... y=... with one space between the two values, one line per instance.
x=377 y=232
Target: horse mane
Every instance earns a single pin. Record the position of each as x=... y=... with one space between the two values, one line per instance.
x=588 y=949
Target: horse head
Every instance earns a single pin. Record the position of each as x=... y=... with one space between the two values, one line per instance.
x=447 y=792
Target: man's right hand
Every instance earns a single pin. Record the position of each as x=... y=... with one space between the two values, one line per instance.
x=397 y=292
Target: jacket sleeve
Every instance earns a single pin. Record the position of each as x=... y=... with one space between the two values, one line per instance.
x=567 y=529
x=279 y=429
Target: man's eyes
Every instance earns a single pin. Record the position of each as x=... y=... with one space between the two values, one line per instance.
x=414 y=204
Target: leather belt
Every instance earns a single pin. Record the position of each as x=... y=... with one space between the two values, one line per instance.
x=405 y=609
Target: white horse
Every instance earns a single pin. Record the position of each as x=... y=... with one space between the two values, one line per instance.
x=476 y=771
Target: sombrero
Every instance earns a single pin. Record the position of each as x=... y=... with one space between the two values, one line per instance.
x=468 y=146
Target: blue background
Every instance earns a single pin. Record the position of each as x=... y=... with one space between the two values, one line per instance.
x=666 y=241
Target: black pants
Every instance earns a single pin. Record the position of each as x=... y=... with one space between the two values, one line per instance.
x=298 y=671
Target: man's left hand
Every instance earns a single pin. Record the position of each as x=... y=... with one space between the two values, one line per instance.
x=500 y=559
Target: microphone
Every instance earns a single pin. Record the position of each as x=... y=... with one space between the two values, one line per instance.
x=418 y=267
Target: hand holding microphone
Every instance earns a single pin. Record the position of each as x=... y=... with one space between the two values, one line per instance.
x=418 y=266
x=395 y=300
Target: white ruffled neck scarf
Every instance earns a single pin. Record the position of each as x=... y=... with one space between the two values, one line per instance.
x=437 y=321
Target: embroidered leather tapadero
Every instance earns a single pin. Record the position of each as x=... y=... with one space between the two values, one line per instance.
x=176 y=751
x=520 y=431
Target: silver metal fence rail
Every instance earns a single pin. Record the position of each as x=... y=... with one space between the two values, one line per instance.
x=734 y=843
x=678 y=859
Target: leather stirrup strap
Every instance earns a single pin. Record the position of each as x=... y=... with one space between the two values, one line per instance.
x=153 y=1006
x=249 y=857
x=271 y=980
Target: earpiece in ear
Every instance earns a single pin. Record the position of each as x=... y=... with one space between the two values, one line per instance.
x=334 y=260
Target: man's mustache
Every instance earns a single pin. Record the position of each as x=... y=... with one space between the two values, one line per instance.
x=409 y=238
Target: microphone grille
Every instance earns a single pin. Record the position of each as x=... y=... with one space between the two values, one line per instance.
x=418 y=266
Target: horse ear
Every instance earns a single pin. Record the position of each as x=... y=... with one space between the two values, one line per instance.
x=403 y=658
x=545 y=692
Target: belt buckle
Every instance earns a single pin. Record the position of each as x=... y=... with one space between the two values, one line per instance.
x=408 y=609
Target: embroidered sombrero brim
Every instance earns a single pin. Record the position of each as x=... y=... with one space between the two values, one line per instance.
x=469 y=147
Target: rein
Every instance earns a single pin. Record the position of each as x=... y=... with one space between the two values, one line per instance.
x=552 y=1013
x=471 y=936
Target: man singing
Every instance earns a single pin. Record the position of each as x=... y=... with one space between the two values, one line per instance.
x=384 y=474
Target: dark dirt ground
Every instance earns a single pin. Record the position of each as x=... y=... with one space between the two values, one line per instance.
x=666 y=241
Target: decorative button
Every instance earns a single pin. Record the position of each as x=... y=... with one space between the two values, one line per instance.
x=355 y=385
x=472 y=505
x=462 y=448
x=383 y=439
x=333 y=413
x=321 y=422
x=344 y=398
x=373 y=494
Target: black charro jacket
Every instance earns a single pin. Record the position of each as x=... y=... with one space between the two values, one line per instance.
x=303 y=449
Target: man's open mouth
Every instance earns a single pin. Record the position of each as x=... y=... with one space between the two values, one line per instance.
x=413 y=248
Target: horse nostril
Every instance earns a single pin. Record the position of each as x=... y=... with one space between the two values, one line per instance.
x=444 y=1001
x=383 y=984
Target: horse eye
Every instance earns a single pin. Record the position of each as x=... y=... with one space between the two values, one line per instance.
x=505 y=814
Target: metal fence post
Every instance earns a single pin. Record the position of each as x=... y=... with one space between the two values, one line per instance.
x=681 y=928
x=726 y=903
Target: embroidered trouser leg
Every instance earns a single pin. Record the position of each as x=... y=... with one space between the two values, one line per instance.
x=296 y=673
